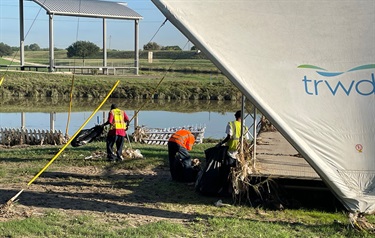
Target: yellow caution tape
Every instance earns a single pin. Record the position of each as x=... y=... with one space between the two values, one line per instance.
x=71 y=139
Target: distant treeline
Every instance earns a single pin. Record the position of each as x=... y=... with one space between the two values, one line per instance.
x=143 y=54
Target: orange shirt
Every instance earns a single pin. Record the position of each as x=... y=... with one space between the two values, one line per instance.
x=184 y=138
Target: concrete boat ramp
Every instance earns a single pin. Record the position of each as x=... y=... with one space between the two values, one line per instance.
x=277 y=158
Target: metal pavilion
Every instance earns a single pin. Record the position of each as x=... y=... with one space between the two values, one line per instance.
x=83 y=8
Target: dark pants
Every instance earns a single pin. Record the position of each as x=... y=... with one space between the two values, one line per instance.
x=111 y=141
x=180 y=163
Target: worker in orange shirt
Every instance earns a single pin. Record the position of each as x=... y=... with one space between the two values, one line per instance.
x=179 y=145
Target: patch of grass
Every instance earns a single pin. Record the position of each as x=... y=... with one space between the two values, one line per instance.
x=61 y=58
x=31 y=159
x=181 y=212
x=57 y=224
x=2 y=172
x=157 y=229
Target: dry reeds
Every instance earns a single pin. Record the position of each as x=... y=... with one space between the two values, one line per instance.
x=240 y=174
x=244 y=179
x=359 y=221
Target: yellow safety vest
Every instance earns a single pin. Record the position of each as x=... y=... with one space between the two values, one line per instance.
x=235 y=138
x=118 y=119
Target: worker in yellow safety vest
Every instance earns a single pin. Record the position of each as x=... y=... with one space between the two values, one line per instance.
x=119 y=122
x=180 y=166
x=233 y=131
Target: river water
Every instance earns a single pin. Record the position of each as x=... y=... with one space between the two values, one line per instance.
x=36 y=114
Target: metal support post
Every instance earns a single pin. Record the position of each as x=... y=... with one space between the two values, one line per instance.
x=254 y=135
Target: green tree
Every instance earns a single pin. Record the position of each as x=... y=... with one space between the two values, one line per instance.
x=82 y=49
x=15 y=48
x=5 y=50
x=172 y=47
x=197 y=51
x=34 y=47
x=151 y=46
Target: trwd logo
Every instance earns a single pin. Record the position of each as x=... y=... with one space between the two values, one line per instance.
x=330 y=85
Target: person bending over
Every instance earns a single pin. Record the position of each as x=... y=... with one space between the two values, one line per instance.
x=179 y=145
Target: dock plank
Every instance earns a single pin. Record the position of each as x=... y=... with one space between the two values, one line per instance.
x=276 y=157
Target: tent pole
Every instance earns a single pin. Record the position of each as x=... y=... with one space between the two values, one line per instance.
x=22 y=35
x=243 y=113
x=254 y=135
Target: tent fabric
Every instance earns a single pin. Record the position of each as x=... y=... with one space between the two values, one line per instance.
x=309 y=67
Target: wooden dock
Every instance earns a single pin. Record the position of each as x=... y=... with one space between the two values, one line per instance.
x=277 y=158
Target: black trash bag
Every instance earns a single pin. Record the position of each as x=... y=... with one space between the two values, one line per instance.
x=182 y=174
x=87 y=136
x=214 y=180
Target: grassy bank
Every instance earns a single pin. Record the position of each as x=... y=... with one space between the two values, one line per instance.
x=47 y=104
x=81 y=195
x=181 y=78
x=173 y=86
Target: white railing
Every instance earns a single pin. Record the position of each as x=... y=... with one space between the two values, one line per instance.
x=11 y=136
x=160 y=136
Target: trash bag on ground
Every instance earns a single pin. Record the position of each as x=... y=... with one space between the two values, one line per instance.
x=87 y=136
x=181 y=173
x=214 y=179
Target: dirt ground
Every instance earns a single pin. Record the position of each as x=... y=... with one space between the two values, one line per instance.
x=105 y=193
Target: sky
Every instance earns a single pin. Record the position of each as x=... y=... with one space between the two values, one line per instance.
x=67 y=30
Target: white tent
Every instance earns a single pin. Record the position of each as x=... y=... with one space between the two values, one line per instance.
x=309 y=67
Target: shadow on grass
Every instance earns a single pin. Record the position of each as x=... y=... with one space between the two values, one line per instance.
x=125 y=192
x=126 y=187
x=88 y=202
x=112 y=203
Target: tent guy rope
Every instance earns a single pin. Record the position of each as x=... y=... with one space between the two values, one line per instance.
x=9 y=202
